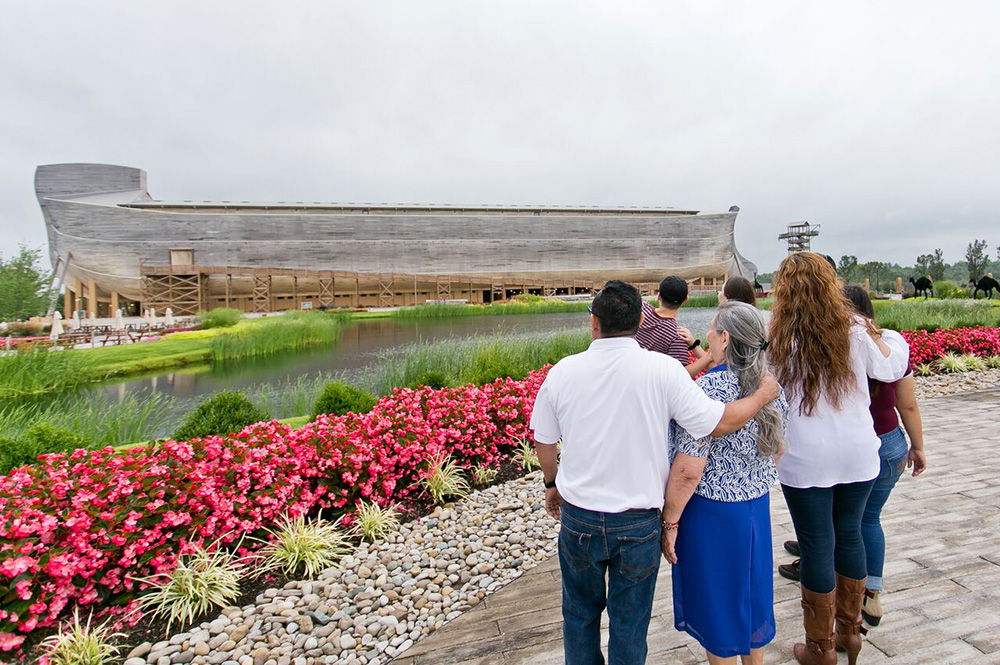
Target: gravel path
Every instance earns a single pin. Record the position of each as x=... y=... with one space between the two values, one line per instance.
x=388 y=595
x=385 y=596
x=942 y=385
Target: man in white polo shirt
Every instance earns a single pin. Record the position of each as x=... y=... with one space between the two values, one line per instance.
x=611 y=407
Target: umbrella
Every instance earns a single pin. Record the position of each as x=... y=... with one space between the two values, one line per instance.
x=152 y=316
x=119 y=323
x=92 y=320
x=57 y=326
x=168 y=317
x=73 y=323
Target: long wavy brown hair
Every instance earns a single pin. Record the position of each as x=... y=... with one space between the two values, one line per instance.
x=810 y=331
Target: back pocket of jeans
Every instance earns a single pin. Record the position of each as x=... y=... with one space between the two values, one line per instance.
x=574 y=547
x=640 y=556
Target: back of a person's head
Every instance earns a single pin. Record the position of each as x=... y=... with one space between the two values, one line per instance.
x=673 y=291
x=860 y=301
x=810 y=330
x=746 y=356
x=618 y=308
x=739 y=289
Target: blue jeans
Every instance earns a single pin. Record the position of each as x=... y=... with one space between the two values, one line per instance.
x=621 y=550
x=827 y=524
x=893 y=454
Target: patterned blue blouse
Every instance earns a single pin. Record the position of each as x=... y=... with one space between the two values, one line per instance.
x=735 y=471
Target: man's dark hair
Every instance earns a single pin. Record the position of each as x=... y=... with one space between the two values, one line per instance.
x=618 y=308
x=673 y=291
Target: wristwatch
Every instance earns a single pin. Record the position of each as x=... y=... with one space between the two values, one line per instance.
x=697 y=342
x=549 y=485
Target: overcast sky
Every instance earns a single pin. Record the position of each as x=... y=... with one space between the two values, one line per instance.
x=878 y=120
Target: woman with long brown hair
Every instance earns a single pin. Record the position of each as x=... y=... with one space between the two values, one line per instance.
x=823 y=355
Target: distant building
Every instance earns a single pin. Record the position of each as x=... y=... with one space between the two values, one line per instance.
x=115 y=246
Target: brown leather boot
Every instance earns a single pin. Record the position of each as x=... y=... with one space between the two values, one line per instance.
x=817 y=615
x=850 y=596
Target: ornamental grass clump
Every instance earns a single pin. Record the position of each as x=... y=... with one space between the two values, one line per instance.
x=952 y=363
x=974 y=363
x=484 y=475
x=299 y=544
x=526 y=455
x=202 y=580
x=923 y=369
x=993 y=362
x=444 y=480
x=81 y=644
x=372 y=522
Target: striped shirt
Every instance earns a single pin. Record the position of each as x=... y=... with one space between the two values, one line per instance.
x=658 y=333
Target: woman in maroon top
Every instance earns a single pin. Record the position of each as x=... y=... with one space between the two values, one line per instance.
x=887 y=399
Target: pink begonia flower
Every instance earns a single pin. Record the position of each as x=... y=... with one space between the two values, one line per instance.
x=16 y=566
x=9 y=641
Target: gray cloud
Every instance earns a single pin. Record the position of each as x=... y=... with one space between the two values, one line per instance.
x=876 y=120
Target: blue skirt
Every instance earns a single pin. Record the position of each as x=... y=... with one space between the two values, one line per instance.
x=723 y=584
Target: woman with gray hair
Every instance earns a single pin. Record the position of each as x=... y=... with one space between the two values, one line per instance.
x=716 y=515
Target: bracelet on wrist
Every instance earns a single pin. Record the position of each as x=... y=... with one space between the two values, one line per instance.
x=549 y=485
x=669 y=526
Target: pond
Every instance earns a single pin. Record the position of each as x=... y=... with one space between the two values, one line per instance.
x=361 y=345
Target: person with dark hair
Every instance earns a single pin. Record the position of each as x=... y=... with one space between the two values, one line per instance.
x=659 y=330
x=824 y=353
x=739 y=289
x=887 y=400
x=611 y=407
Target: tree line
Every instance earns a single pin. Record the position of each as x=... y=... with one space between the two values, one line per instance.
x=881 y=274
x=24 y=285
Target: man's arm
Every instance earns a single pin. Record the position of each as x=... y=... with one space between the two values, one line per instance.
x=685 y=474
x=548 y=458
x=740 y=412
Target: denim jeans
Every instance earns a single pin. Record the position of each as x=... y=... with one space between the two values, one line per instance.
x=893 y=453
x=827 y=524
x=607 y=560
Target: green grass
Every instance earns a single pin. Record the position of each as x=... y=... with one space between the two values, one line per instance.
x=41 y=370
x=916 y=314
x=443 y=311
x=263 y=337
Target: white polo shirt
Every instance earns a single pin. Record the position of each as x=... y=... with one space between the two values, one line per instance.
x=612 y=405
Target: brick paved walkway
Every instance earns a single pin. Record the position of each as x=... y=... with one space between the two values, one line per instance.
x=942 y=597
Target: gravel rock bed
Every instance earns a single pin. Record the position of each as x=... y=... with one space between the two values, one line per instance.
x=383 y=597
x=942 y=385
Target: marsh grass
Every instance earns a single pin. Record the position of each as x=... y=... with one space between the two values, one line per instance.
x=445 y=311
x=477 y=360
x=41 y=370
x=290 y=332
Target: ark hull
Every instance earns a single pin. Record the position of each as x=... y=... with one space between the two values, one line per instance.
x=111 y=240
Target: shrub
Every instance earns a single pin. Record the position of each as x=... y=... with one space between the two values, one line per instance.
x=339 y=398
x=528 y=297
x=39 y=439
x=221 y=317
x=431 y=379
x=312 y=545
x=220 y=414
x=81 y=644
x=444 y=480
x=372 y=522
x=202 y=580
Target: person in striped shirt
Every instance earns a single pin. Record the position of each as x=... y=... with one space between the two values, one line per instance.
x=659 y=330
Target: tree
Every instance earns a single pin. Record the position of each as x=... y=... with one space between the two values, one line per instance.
x=975 y=256
x=23 y=286
x=923 y=264
x=931 y=264
x=874 y=270
x=848 y=268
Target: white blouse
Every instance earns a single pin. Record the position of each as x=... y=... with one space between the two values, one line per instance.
x=834 y=446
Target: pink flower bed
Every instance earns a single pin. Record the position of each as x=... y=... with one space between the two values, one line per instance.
x=75 y=529
x=927 y=346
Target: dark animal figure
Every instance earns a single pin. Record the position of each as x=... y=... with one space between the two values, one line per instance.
x=923 y=285
x=986 y=285
x=757 y=285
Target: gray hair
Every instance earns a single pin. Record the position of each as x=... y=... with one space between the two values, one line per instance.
x=746 y=356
